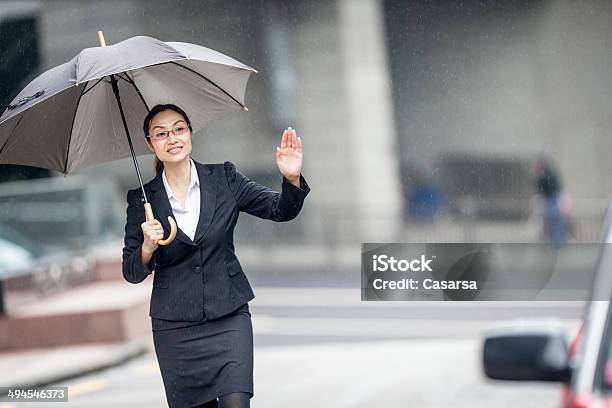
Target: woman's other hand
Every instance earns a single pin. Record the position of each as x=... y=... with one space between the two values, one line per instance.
x=289 y=156
x=152 y=232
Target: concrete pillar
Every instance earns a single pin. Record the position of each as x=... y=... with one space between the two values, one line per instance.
x=370 y=126
x=346 y=122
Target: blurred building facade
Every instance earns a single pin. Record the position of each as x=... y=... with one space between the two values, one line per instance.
x=505 y=79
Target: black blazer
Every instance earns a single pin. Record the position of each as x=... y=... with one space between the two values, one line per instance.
x=203 y=277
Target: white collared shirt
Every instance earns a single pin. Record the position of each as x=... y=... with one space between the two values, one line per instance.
x=186 y=218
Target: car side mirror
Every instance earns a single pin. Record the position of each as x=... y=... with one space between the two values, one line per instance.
x=520 y=352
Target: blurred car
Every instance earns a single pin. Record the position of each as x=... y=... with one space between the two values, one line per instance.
x=25 y=264
x=17 y=251
x=534 y=351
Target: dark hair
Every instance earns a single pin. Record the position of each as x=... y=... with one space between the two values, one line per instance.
x=158 y=165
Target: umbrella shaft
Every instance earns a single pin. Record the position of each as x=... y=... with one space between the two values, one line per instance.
x=127 y=132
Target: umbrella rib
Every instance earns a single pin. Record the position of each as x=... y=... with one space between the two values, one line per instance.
x=93 y=86
x=203 y=77
x=72 y=124
x=10 y=134
x=131 y=81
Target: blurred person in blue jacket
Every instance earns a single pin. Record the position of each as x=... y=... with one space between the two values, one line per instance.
x=555 y=223
x=425 y=201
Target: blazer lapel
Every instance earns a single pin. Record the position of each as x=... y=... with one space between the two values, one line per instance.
x=162 y=209
x=208 y=199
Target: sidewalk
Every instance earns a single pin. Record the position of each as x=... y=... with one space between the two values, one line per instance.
x=80 y=330
x=98 y=312
x=38 y=367
x=85 y=329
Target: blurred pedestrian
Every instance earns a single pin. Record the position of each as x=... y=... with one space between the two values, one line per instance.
x=554 y=220
x=199 y=310
x=425 y=201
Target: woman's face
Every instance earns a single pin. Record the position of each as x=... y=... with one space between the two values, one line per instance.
x=173 y=148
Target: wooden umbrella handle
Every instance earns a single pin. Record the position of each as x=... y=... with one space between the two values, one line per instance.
x=149 y=216
x=101 y=39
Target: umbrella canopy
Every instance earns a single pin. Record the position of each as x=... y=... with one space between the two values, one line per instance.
x=69 y=117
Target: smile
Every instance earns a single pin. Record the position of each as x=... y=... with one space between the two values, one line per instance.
x=175 y=150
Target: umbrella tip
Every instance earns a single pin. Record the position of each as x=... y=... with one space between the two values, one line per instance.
x=101 y=39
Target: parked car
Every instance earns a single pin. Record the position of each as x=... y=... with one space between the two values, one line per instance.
x=17 y=250
x=27 y=265
x=542 y=352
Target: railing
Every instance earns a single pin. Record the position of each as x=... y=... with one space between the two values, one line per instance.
x=75 y=212
x=335 y=226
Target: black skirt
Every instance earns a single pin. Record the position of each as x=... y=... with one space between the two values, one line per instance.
x=201 y=362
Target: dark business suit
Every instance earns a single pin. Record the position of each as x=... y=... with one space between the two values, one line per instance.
x=201 y=284
x=179 y=291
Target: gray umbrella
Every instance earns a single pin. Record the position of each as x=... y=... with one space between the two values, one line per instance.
x=79 y=113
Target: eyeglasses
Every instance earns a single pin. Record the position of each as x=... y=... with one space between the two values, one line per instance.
x=162 y=134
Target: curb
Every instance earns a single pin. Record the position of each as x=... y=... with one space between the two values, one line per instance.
x=116 y=355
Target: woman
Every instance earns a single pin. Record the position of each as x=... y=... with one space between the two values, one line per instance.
x=199 y=305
